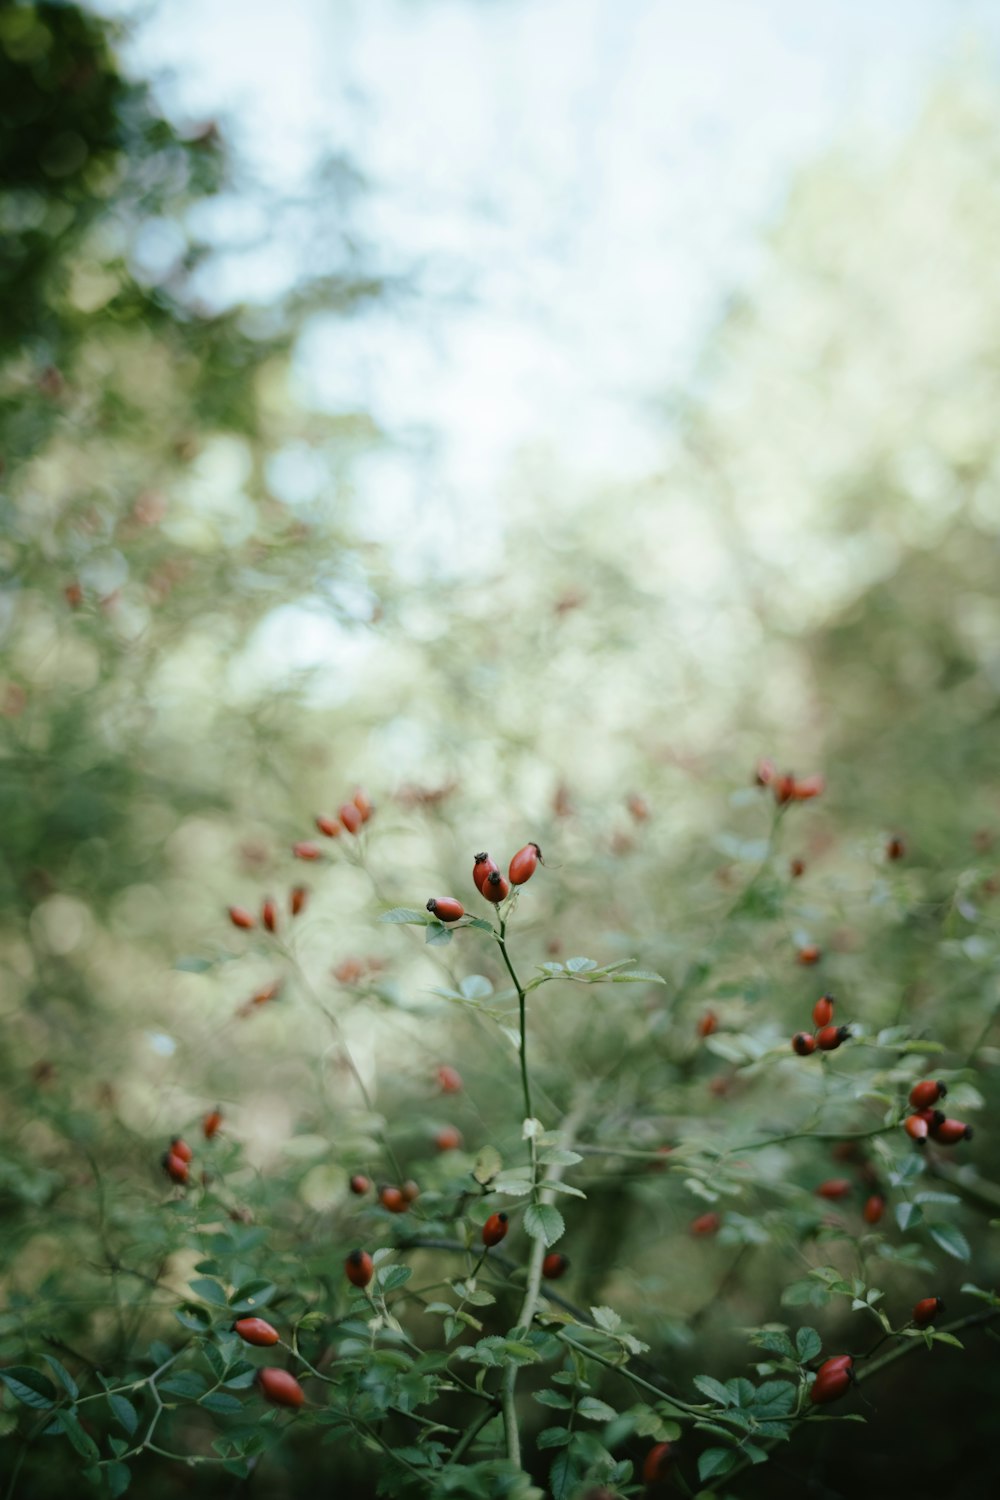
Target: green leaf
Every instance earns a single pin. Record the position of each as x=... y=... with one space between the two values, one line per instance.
x=544 y=1222
x=407 y=914
x=908 y=1215
x=713 y=1389
x=192 y=964
x=580 y=965
x=808 y=1344
x=81 y=1441
x=774 y=1341
x=220 y=1402
x=117 y=1477
x=185 y=1383
x=951 y=1240
x=66 y=1379
x=606 y=1318
x=775 y=1398
x=596 y=1411
x=209 y=1291
x=251 y=1295
x=637 y=976
x=488 y=1163
x=553 y=1437
x=476 y=987
x=552 y=1398
x=124 y=1412
x=391 y=1278
x=29 y=1386
x=714 y=1462
x=438 y=936
x=555 y=1156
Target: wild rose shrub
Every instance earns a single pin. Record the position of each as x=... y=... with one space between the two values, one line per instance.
x=714 y=1190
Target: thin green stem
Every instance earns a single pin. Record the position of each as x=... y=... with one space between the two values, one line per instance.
x=522 y=1018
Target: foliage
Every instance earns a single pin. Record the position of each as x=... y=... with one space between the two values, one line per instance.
x=591 y=693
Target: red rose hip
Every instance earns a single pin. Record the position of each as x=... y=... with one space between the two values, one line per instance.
x=495 y=1229
x=358 y=1268
x=554 y=1265
x=280 y=1388
x=927 y=1093
x=927 y=1311
x=445 y=908
x=256 y=1331
x=524 y=864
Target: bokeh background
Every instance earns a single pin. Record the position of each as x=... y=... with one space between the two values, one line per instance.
x=520 y=410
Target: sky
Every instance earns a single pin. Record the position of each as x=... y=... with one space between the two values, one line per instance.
x=571 y=189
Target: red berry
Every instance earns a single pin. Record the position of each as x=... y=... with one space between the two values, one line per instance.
x=835 y=1187
x=256 y=1331
x=657 y=1463
x=305 y=850
x=445 y=908
x=926 y=1092
x=181 y=1148
x=298 y=899
x=706 y=1224
x=280 y=1388
x=809 y=955
x=830 y=1037
x=392 y=1199
x=269 y=915
x=240 y=917
x=73 y=595
x=495 y=1229
x=450 y=1079
x=410 y=1190
x=895 y=848
x=823 y=1010
x=796 y=868
x=327 y=825
x=483 y=866
x=803 y=1043
x=950 y=1132
x=927 y=1311
x=494 y=888
x=708 y=1023
x=363 y=803
x=873 y=1209
x=784 y=788
x=212 y=1123
x=358 y=1267
x=175 y=1167
x=916 y=1128
x=554 y=1265
x=360 y=1184
x=448 y=1138
x=350 y=817
x=524 y=864
x=833 y=1378
x=809 y=786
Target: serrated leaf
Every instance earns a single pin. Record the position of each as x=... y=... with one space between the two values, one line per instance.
x=555 y=1156
x=30 y=1387
x=808 y=1344
x=209 y=1291
x=553 y=1437
x=543 y=1221
x=438 y=936
x=606 y=1318
x=488 y=1163
x=407 y=914
x=65 y=1378
x=125 y=1412
x=220 y=1402
x=117 y=1477
x=391 y=1278
x=252 y=1294
x=713 y=1389
x=714 y=1462
x=552 y=1398
x=81 y=1441
x=951 y=1240
x=908 y=1215
x=637 y=976
x=596 y=1411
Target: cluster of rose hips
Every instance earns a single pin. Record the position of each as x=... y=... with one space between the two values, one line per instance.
x=350 y=818
x=176 y=1160
x=246 y=921
x=488 y=881
x=826 y=1037
x=787 y=787
x=396 y=1199
x=834 y=1376
x=926 y=1121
